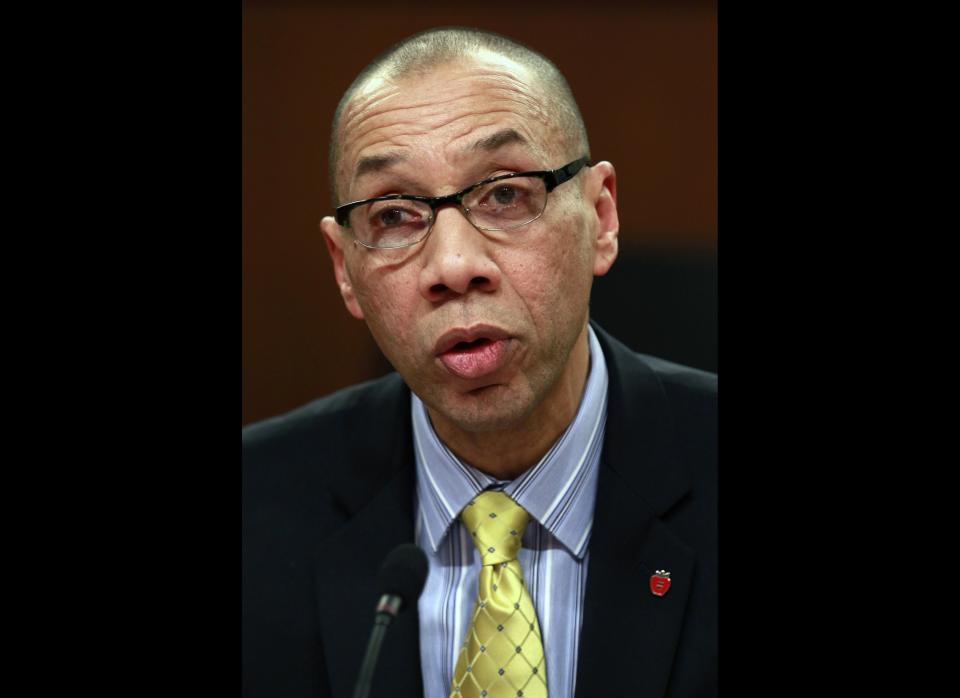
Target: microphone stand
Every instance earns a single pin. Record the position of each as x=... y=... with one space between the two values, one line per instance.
x=387 y=610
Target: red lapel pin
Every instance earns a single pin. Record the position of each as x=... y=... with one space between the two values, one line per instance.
x=660 y=582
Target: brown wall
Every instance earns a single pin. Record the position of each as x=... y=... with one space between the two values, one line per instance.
x=645 y=80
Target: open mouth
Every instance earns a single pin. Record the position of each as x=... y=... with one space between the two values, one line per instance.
x=470 y=356
x=475 y=344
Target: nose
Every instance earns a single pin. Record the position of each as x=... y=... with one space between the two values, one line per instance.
x=456 y=259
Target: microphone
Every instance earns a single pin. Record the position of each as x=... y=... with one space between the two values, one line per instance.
x=401 y=579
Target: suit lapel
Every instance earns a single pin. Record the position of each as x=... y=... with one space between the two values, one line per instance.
x=629 y=635
x=377 y=493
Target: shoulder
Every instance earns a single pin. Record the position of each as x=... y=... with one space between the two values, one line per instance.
x=663 y=400
x=311 y=448
x=680 y=379
x=306 y=472
x=342 y=412
x=681 y=385
x=689 y=391
x=691 y=398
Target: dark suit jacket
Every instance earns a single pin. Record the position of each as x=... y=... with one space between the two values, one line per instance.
x=328 y=491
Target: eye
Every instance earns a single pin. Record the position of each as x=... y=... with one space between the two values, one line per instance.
x=501 y=196
x=507 y=203
x=505 y=194
x=392 y=223
x=392 y=214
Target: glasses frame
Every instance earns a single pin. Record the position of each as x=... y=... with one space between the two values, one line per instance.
x=551 y=179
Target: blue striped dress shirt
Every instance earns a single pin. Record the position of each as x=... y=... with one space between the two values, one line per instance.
x=559 y=492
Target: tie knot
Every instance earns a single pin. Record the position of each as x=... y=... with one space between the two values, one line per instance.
x=496 y=523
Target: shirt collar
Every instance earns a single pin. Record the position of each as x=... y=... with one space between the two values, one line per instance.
x=559 y=491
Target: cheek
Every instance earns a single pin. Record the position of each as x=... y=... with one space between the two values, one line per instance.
x=552 y=276
x=381 y=302
x=388 y=298
x=574 y=267
x=562 y=261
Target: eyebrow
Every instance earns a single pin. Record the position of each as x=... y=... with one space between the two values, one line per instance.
x=376 y=163
x=499 y=139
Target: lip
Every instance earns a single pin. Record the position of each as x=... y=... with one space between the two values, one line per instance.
x=475 y=362
x=448 y=340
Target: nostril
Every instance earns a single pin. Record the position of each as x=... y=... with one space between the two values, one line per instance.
x=458 y=286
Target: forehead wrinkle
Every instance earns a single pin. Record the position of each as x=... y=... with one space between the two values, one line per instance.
x=476 y=71
x=370 y=99
x=406 y=139
x=364 y=119
x=360 y=104
x=433 y=107
x=504 y=86
x=369 y=123
x=416 y=130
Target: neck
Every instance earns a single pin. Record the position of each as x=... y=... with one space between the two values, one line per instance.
x=508 y=453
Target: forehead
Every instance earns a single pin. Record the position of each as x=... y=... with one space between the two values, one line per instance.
x=446 y=114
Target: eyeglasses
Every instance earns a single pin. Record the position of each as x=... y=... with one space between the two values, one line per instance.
x=500 y=203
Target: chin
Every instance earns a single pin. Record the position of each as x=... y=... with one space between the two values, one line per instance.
x=490 y=409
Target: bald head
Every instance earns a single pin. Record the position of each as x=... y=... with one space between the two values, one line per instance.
x=423 y=53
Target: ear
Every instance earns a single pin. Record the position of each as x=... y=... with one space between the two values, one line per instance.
x=601 y=195
x=334 y=238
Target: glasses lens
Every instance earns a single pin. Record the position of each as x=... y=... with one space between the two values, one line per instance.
x=394 y=223
x=507 y=203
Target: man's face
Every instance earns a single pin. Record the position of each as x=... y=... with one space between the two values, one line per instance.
x=481 y=326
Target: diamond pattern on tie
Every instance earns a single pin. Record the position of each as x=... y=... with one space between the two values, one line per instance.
x=502 y=653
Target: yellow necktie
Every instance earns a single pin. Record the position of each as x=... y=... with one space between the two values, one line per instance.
x=502 y=654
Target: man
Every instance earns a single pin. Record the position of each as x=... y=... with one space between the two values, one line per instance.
x=470 y=222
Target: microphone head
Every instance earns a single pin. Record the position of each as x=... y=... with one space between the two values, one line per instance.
x=403 y=573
